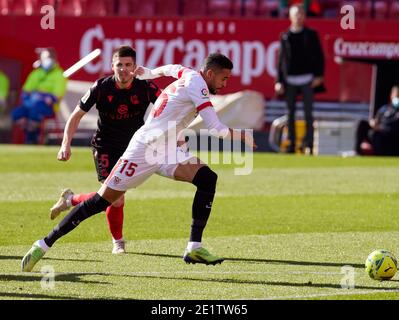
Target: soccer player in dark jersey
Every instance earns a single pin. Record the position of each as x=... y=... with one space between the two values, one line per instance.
x=121 y=101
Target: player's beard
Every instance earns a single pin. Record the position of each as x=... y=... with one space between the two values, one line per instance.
x=213 y=90
x=125 y=79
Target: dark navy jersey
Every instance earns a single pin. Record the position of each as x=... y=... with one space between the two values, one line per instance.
x=121 y=111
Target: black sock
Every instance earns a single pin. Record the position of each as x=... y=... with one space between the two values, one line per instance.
x=201 y=210
x=205 y=180
x=79 y=213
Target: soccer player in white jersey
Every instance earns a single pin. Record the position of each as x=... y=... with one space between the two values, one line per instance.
x=152 y=149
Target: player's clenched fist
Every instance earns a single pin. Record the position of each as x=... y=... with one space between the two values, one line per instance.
x=64 y=153
x=143 y=73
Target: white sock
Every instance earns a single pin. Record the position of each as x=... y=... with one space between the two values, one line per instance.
x=119 y=240
x=69 y=201
x=43 y=245
x=193 y=245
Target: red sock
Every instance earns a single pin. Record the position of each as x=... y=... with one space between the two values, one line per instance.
x=115 y=221
x=78 y=198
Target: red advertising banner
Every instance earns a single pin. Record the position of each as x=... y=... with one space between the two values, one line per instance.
x=252 y=44
x=370 y=48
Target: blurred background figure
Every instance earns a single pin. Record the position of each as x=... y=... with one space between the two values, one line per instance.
x=4 y=90
x=380 y=135
x=300 y=71
x=41 y=94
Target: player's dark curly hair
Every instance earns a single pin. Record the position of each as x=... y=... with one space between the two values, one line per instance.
x=217 y=61
x=124 y=51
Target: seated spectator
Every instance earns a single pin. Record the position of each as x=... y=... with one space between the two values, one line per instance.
x=41 y=93
x=4 y=90
x=382 y=132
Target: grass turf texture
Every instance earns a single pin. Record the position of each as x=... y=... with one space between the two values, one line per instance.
x=286 y=230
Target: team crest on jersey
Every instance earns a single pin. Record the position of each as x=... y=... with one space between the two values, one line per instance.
x=110 y=98
x=204 y=92
x=117 y=180
x=122 y=109
x=181 y=82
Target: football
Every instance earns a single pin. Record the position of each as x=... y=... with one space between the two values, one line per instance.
x=381 y=265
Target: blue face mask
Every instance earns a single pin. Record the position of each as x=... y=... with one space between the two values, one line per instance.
x=47 y=63
x=395 y=102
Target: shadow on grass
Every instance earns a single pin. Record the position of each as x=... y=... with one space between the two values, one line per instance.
x=302 y=263
x=77 y=260
x=308 y=284
x=10 y=257
x=251 y=260
x=67 y=277
x=3 y=257
x=14 y=295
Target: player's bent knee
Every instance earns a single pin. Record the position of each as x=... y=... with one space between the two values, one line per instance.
x=205 y=179
x=110 y=194
x=94 y=205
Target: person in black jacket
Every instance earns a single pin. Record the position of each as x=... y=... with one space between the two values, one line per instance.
x=382 y=131
x=300 y=70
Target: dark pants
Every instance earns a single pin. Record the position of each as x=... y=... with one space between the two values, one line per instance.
x=363 y=134
x=291 y=94
x=384 y=143
x=33 y=114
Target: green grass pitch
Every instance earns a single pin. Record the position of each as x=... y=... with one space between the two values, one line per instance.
x=286 y=231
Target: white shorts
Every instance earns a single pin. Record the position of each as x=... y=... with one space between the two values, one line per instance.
x=140 y=161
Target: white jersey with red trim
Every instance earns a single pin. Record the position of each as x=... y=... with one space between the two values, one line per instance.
x=176 y=107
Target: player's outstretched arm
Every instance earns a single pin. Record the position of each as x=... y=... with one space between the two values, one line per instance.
x=169 y=70
x=244 y=136
x=70 y=128
x=218 y=129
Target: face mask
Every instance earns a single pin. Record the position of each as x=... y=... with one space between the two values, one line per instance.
x=395 y=102
x=47 y=63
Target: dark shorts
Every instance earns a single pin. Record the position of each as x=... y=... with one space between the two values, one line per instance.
x=105 y=159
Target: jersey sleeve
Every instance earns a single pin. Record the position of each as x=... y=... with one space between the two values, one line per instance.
x=90 y=98
x=171 y=70
x=153 y=91
x=198 y=92
x=212 y=122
